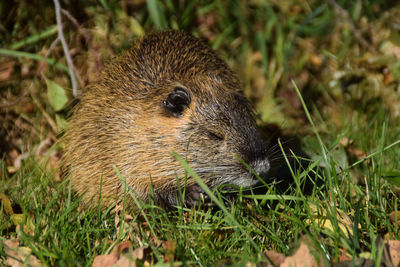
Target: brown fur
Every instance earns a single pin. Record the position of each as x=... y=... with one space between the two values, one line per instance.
x=121 y=121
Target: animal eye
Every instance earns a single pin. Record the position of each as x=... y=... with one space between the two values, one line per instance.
x=214 y=136
x=177 y=101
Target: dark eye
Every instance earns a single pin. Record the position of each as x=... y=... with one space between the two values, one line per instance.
x=215 y=136
x=177 y=101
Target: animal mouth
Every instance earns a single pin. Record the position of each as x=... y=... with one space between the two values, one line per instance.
x=261 y=167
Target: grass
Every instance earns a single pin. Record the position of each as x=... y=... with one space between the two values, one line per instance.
x=303 y=68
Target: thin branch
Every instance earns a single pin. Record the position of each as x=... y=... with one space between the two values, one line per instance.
x=65 y=48
x=81 y=29
x=70 y=17
x=53 y=44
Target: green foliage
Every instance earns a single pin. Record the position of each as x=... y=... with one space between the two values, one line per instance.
x=304 y=68
x=56 y=94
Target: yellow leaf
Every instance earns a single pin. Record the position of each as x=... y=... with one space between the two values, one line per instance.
x=5 y=201
x=320 y=217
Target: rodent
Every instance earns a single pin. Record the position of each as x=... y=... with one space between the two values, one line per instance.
x=169 y=93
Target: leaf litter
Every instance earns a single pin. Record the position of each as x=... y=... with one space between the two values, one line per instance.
x=360 y=79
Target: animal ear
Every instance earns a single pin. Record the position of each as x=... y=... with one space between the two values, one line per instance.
x=177 y=101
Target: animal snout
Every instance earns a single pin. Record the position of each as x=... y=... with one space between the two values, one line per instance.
x=260 y=166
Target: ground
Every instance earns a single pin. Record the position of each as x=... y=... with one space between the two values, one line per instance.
x=322 y=74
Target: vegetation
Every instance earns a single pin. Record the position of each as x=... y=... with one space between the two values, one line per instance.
x=324 y=72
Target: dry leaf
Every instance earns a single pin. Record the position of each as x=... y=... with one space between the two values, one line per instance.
x=105 y=260
x=6 y=203
x=125 y=261
x=170 y=246
x=302 y=257
x=275 y=257
x=6 y=70
x=127 y=218
x=393 y=247
x=122 y=255
x=394 y=217
x=343 y=256
x=358 y=153
x=26 y=222
x=343 y=220
x=19 y=256
x=129 y=259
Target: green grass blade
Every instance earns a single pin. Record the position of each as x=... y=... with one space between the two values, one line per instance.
x=35 y=38
x=18 y=54
x=323 y=148
x=154 y=8
x=221 y=205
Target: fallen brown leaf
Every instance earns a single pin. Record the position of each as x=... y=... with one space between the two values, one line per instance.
x=358 y=153
x=122 y=255
x=125 y=261
x=127 y=218
x=343 y=256
x=393 y=246
x=170 y=246
x=275 y=257
x=348 y=143
x=394 y=217
x=105 y=260
x=6 y=71
x=17 y=256
x=302 y=257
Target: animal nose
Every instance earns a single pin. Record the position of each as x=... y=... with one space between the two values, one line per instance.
x=260 y=166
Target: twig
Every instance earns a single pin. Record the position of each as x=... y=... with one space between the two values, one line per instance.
x=83 y=32
x=75 y=22
x=53 y=44
x=70 y=17
x=356 y=33
x=65 y=48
